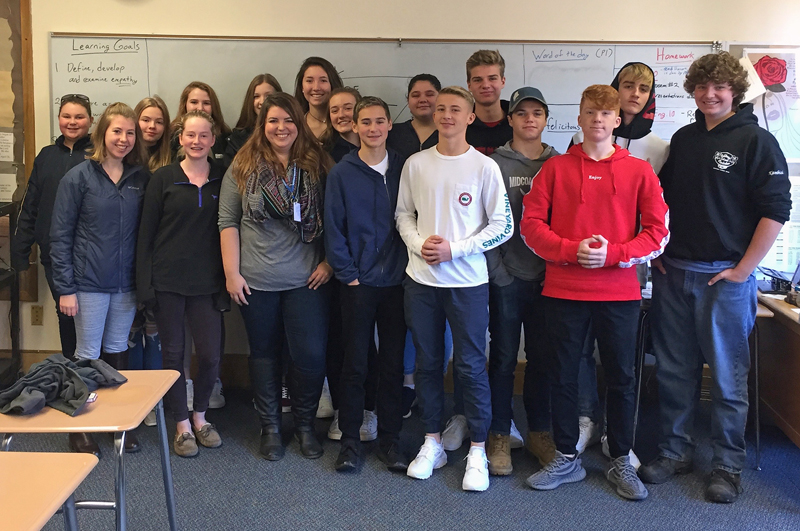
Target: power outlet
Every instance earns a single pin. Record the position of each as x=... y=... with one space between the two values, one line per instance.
x=37 y=315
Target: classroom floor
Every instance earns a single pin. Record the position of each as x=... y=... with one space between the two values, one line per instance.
x=231 y=488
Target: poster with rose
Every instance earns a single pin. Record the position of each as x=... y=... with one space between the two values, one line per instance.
x=778 y=109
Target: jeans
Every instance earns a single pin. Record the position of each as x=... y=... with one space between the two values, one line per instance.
x=695 y=323
x=103 y=322
x=303 y=314
x=66 y=324
x=512 y=308
x=588 y=398
x=363 y=307
x=466 y=309
x=205 y=323
x=615 y=325
x=144 y=345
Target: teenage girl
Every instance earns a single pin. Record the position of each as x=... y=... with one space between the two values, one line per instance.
x=199 y=96
x=312 y=87
x=260 y=87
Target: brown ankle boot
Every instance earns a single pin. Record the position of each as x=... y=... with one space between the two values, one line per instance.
x=83 y=443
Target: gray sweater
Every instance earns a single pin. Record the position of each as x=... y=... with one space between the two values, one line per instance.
x=271 y=256
x=514 y=258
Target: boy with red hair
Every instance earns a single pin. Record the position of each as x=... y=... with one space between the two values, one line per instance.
x=582 y=216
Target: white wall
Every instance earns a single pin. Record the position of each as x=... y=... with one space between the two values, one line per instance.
x=775 y=22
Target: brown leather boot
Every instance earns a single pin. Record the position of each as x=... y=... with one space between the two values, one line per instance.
x=119 y=360
x=83 y=443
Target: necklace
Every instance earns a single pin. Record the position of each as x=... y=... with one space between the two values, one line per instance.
x=309 y=113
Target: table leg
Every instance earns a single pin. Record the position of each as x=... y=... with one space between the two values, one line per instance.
x=119 y=448
x=166 y=469
x=5 y=445
x=70 y=516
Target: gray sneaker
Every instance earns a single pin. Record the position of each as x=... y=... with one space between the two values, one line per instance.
x=561 y=469
x=622 y=474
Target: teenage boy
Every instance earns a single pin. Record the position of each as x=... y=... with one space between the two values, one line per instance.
x=488 y=131
x=726 y=183
x=486 y=72
x=452 y=208
x=368 y=257
x=635 y=83
x=515 y=295
x=582 y=216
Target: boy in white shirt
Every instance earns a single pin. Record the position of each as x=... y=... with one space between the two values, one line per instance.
x=452 y=206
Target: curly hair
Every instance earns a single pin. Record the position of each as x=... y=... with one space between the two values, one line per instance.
x=720 y=68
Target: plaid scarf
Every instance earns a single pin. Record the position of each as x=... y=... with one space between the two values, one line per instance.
x=268 y=196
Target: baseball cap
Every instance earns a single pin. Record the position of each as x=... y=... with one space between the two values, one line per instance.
x=525 y=93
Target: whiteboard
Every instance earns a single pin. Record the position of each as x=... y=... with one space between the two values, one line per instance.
x=109 y=69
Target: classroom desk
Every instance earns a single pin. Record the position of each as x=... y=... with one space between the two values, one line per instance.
x=117 y=409
x=33 y=485
x=780 y=365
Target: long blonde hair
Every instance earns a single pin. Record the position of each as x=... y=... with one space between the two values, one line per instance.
x=160 y=153
x=306 y=150
x=99 y=154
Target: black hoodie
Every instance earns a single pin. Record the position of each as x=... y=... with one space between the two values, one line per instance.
x=718 y=185
x=36 y=212
x=487 y=139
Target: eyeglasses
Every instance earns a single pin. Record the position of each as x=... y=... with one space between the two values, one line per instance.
x=68 y=98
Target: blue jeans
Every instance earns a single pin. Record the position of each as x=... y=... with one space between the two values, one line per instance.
x=144 y=349
x=512 y=308
x=103 y=322
x=302 y=314
x=427 y=308
x=695 y=323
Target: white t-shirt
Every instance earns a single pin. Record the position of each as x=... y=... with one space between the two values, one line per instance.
x=382 y=166
x=460 y=198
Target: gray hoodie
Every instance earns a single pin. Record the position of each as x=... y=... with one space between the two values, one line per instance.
x=514 y=258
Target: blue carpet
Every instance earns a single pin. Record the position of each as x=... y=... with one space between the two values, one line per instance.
x=231 y=488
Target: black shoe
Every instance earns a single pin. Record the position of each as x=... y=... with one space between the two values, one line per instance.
x=83 y=443
x=663 y=469
x=391 y=455
x=408 y=401
x=131 y=443
x=271 y=447
x=723 y=487
x=309 y=444
x=349 y=457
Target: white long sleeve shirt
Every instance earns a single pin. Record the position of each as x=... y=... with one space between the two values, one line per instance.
x=463 y=200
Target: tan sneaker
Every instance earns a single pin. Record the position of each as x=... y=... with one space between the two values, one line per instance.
x=208 y=436
x=498 y=451
x=185 y=444
x=540 y=444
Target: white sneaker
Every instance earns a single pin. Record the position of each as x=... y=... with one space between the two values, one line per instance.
x=150 y=419
x=334 y=433
x=369 y=427
x=431 y=456
x=515 y=437
x=325 y=407
x=631 y=455
x=476 y=477
x=589 y=434
x=189 y=394
x=455 y=433
x=217 y=399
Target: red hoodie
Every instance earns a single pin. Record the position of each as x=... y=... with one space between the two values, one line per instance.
x=574 y=197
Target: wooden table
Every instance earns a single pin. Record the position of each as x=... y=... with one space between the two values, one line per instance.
x=117 y=410
x=34 y=485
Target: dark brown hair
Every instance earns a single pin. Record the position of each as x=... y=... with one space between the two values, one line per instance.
x=247 y=116
x=720 y=68
x=333 y=78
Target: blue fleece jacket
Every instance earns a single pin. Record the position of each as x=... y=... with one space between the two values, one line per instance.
x=361 y=241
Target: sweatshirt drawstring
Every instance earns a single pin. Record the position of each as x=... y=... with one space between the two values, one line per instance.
x=613 y=177
x=583 y=178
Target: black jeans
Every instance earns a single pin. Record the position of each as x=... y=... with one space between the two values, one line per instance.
x=467 y=311
x=66 y=324
x=363 y=307
x=205 y=323
x=512 y=308
x=303 y=314
x=615 y=325
x=334 y=361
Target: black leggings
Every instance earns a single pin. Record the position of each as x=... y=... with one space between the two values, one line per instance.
x=205 y=323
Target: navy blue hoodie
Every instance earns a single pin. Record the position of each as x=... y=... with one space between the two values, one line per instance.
x=361 y=240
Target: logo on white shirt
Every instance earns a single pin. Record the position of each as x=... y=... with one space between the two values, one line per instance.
x=724 y=160
x=465 y=199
